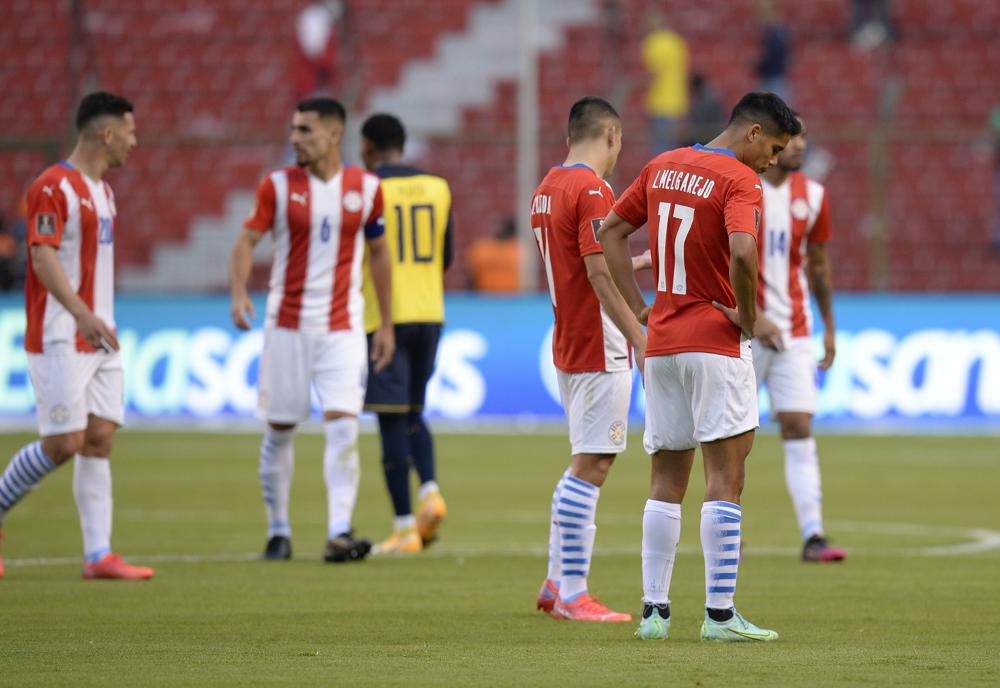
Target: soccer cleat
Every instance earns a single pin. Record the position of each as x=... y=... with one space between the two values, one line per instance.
x=278 y=547
x=345 y=548
x=113 y=567
x=430 y=513
x=406 y=541
x=735 y=630
x=547 y=596
x=655 y=622
x=816 y=549
x=586 y=608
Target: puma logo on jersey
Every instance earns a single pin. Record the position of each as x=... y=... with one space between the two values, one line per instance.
x=595 y=192
x=48 y=190
x=758 y=186
x=87 y=203
x=299 y=197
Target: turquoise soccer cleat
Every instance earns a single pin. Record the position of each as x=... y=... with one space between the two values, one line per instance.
x=655 y=622
x=735 y=630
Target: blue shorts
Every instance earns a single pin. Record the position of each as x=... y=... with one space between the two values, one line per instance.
x=402 y=386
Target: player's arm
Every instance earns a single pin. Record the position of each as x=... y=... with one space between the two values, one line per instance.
x=614 y=305
x=380 y=266
x=821 y=285
x=614 y=235
x=240 y=265
x=46 y=266
x=743 y=277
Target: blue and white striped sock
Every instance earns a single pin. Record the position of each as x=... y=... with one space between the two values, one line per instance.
x=577 y=506
x=720 y=542
x=277 y=463
x=24 y=471
x=555 y=552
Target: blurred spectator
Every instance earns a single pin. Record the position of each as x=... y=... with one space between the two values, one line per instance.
x=665 y=54
x=494 y=263
x=8 y=257
x=317 y=32
x=707 y=116
x=871 y=25
x=775 y=49
x=995 y=122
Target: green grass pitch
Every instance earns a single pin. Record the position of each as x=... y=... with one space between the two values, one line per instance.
x=917 y=602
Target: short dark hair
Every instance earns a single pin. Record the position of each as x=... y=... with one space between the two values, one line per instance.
x=98 y=104
x=769 y=111
x=385 y=132
x=587 y=118
x=324 y=107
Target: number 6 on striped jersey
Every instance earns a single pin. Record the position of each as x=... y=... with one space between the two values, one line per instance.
x=685 y=214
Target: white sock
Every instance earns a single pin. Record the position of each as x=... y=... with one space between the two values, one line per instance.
x=661 y=530
x=720 y=543
x=277 y=464
x=427 y=488
x=554 y=552
x=404 y=522
x=802 y=479
x=577 y=506
x=92 y=490
x=342 y=471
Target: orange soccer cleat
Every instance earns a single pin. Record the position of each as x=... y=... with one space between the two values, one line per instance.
x=587 y=608
x=430 y=512
x=547 y=596
x=113 y=567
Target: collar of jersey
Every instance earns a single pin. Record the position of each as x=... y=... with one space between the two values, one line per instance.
x=724 y=151
x=65 y=163
x=579 y=165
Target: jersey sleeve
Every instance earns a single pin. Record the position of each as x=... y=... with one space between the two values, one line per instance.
x=375 y=223
x=592 y=206
x=743 y=206
x=47 y=213
x=262 y=217
x=820 y=232
x=631 y=207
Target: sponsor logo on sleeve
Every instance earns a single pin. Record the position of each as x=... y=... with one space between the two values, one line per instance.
x=45 y=224
x=596 y=224
x=756 y=219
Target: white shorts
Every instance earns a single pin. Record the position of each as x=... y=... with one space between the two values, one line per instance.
x=790 y=374
x=695 y=397
x=596 y=406
x=70 y=385
x=335 y=363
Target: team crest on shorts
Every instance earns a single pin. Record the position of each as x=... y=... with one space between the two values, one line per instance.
x=616 y=433
x=59 y=414
x=353 y=203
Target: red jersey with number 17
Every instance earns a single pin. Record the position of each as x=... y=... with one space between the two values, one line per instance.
x=566 y=212
x=693 y=199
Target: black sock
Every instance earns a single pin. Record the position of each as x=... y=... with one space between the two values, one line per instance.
x=719 y=615
x=396 y=460
x=421 y=445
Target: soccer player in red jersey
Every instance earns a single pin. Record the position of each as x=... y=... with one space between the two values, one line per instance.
x=321 y=214
x=793 y=257
x=702 y=207
x=590 y=353
x=73 y=356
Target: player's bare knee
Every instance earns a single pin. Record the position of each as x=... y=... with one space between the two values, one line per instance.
x=281 y=427
x=592 y=468
x=795 y=426
x=62 y=448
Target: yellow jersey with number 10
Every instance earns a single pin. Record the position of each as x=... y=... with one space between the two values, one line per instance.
x=417 y=212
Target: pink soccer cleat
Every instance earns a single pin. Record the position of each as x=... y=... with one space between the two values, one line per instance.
x=587 y=608
x=547 y=596
x=817 y=549
x=113 y=567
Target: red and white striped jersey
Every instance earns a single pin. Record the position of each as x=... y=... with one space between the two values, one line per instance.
x=76 y=215
x=318 y=245
x=566 y=212
x=796 y=214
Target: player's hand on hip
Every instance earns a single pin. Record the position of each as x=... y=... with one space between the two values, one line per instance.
x=639 y=353
x=769 y=334
x=96 y=332
x=643 y=261
x=734 y=318
x=383 y=347
x=830 y=350
x=240 y=310
x=643 y=315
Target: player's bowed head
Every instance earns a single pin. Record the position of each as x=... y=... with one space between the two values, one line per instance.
x=594 y=134
x=759 y=128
